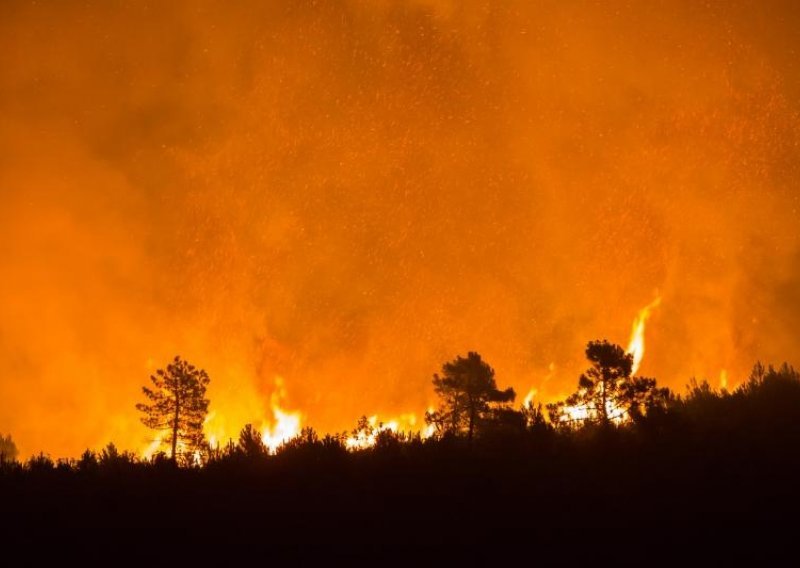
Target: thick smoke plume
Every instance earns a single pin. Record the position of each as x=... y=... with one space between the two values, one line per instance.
x=346 y=194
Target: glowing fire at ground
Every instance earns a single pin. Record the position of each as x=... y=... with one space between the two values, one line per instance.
x=580 y=413
x=285 y=425
x=157 y=445
x=529 y=397
x=366 y=437
x=152 y=447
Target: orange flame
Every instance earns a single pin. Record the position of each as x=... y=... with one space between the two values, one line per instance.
x=580 y=413
x=152 y=447
x=636 y=344
x=529 y=397
x=160 y=440
x=366 y=439
x=285 y=425
x=430 y=429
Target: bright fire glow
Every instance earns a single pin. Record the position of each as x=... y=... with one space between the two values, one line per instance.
x=580 y=413
x=219 y=429
x=285 y=424
x=158 y=445
x=366 y=438
x=636 y=344
x=152 y=447
x=366 y=193
x=430 y=429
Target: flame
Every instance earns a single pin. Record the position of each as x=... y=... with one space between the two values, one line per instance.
x=580 y=413
x=152 y=447
x=366 y=438
x=636 y=344
x=155 y=446
x=404 y=423
x=529 y=397
x=285 y=424
x=162 y=439
x=430 y=429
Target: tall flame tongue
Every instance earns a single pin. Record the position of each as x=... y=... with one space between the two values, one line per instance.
x=580 y=413
x=285 y=424
x=636 y=345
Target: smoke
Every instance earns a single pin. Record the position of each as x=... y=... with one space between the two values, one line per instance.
x=348 y=193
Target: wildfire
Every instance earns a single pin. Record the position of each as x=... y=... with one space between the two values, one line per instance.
x=219 y=428
x=366 y=436
x=430 y=429
x=580 y=413
x=285 y=424
x=636 y=344
x=159 y=441
x=529 y=397
x=551 y=369
x=723 y=379
x=152 y=447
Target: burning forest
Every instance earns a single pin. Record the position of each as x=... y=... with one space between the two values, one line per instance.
x=348 y=260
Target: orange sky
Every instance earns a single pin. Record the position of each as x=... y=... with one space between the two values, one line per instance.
x=348 y=193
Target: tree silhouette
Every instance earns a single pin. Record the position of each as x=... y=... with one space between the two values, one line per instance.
x=251 y=443
x=178 y=405
x=763 y=378
x=606 y=391
x=8 y=449
x=467 y=389
x=534 y=418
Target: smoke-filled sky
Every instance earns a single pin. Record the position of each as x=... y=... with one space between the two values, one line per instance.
x=347 y=193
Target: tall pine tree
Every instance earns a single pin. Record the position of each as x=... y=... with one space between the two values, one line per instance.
x=607 y=391
x=177 y=405
x=467 y=390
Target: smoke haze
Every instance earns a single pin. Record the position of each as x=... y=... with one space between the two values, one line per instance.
x=346 y=194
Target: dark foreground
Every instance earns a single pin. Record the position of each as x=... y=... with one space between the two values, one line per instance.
x=709 y=477
x=607 y=501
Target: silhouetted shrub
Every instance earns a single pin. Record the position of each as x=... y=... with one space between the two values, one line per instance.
x=8 y=449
